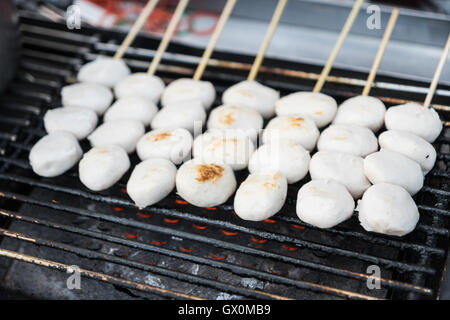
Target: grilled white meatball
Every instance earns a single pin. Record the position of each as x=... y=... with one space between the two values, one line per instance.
x=132 y=108
x=236 y=117
x=140 y=84
x=324 y=203
x=54 y=154
x=356 y=140
x=103 y=166
x=184 y=89
x=87 y=95
x=260 y=196
x=174 y=145
x=411 y=146
x=414 y=118
x=294 y=128
x=361 y=111
x=388 y=209
x=344 y=168
x=151 y=181
x=320 y=107
x=231 y=147
x=106 y=71
x=253 y=95
x=287 y=157
x=186 y=114
x=124 y=133
x=205 y=185
x=392 y=167
x=79 y=121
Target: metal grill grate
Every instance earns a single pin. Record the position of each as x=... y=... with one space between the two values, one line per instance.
x=174 y=250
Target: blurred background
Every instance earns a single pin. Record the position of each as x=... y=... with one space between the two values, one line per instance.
x=307 y=31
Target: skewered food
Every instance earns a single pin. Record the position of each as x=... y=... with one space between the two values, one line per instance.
x=319 y=107
x=236 y=117
x=287 y=157
x=124 y=133
x=103 y=166
x=344 y=168
x=185 y=114
x=353 y=139
x=54 y=154
x=253 y=95
x=79 y=121
x=324 y=203
x=140 y=84
x=392 y=167
x=362 y=111
x=151 y=181
x=185 y=89
x=411 y=146
x=260 y=196
x=414 y=118
x=106 y=71
x=174 y=145
x=205 y=184
x=301 y=130
x=87 y=95
x=231 y=147
x=132 y=108
x=389 y=209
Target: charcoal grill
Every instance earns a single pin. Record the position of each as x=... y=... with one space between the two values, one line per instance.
x=175 y=250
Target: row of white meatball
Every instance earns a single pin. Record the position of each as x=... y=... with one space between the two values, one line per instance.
x=268 y=168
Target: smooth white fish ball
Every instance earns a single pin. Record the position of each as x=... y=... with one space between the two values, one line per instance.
x=260 y=196
x=356 y=140
x=124 y=133
x=106 y=71
x=151 y=181
x=185 y=89
x=344 y=168
x=186 y=114
x=79 y=121
x=142 y=85
x=287 y=157
x=320 y=107
x=174 y=145
x=101 y=167
x=414 y=118
x=362 y=111
x=301 y=130
x=411 y=146
x=388 y=209
x=54 y=154
x=205 y=185
x=253 y=95
x=236 y=117
x=230 y=147
x=132 y=108
x=87 y=95
x=392 y=167
x=324 y=203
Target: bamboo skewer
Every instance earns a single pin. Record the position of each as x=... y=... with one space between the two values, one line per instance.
x=437 y=74
x=215 y=36
x=151 y=4
x=167 y=36
x=381 y=49
x=345 y=30
x=269 y=34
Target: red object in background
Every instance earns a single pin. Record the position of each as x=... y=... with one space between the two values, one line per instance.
x=159 y=18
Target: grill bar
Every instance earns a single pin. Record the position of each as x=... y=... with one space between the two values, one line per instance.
x=139 y=265
x=97 y=276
